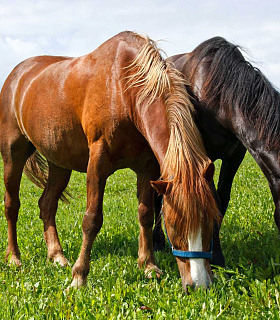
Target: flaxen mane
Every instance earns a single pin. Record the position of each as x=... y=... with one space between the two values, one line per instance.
x=232 y=82
x=185 y=159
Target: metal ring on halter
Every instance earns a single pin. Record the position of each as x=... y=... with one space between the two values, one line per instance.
x=188 y=254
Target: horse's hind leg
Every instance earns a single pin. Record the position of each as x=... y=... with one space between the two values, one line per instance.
x=56 y=184
x=14 y=157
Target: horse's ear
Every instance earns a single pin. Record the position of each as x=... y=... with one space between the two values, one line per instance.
x=159 y=186
x=209 y=171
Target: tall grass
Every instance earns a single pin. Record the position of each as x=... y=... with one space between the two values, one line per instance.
x=248 y=289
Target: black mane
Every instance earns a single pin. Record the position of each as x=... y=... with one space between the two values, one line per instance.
x=234 y=83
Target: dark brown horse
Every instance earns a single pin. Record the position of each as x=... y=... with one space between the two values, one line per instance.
x=120 y=106
x=237 y=108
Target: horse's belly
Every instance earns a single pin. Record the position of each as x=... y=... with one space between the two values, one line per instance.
x=68 y=157
x=60 y=142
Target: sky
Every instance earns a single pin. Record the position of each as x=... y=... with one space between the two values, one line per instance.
x=73 y=28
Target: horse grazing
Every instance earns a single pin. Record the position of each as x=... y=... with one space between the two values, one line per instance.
x=121 y=106
x=237 y=108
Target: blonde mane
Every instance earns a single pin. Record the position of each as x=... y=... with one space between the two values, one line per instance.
x=185 y=160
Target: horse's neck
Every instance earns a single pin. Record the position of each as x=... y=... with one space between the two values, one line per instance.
x=151 y=121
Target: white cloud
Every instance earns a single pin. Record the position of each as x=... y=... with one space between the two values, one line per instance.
x=19 y=46
x=62 y=27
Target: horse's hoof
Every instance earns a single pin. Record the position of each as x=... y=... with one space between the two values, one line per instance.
x=61 y=261
x=77 y=283
x=12 y=259
x=151 y=272
x=15 y=261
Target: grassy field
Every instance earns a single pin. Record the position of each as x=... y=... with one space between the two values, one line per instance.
x=248 y=289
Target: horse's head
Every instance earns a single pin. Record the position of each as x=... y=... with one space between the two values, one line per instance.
x=192 y=235
x=189 y=207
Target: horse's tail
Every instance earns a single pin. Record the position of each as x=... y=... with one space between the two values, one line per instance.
x=37 y=171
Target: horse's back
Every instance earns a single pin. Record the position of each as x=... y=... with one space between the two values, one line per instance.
x=52 y=75
x=25 y=71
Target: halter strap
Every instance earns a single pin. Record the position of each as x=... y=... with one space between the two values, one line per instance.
x=187 y=254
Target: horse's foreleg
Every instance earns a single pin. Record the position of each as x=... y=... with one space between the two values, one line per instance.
x=274 y=184
x=146 y=220
x=57 y=182
x=277 y=215
x=99 y=168
x=158 y=235
x=268 y=161
x=218 y=257
x=222 y=197
x=227 y=173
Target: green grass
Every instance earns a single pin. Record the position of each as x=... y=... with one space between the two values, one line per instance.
x=248 y=289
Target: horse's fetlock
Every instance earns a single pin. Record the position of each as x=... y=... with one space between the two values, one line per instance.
x=80 y=271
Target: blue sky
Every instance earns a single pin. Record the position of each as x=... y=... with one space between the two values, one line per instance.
x=73 y=28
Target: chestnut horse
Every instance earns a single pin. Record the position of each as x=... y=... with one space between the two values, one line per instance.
x=121 y=106
x=237 y=109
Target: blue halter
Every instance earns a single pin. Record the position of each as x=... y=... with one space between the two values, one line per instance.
x=187 y=254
